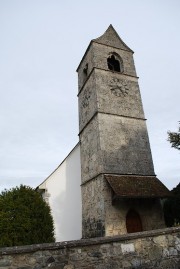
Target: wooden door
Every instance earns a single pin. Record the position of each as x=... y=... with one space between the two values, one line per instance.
x=133 y=222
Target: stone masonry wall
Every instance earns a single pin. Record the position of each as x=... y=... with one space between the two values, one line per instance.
x=102 y=218
x=148 y=250
x=150 y=212
x=124 y=146
x=94 y=195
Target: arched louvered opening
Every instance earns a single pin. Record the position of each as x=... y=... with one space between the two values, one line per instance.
x=113 y=64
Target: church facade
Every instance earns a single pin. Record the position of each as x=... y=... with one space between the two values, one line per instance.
x=119 y=189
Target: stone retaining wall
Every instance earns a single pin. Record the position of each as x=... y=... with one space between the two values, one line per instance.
x=153 y=249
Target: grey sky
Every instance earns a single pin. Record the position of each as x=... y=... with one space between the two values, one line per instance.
x=42 y=43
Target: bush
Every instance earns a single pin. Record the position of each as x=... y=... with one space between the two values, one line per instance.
x=25 y=218
x=172 y=208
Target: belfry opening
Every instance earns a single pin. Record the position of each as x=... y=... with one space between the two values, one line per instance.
x=113 y=64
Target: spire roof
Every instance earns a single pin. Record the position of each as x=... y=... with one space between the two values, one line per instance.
x=111 y=38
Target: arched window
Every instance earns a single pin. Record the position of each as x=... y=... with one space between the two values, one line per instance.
x=133 y=222
x=114 y=63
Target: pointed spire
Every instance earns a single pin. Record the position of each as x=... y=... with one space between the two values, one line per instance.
x=111 y=38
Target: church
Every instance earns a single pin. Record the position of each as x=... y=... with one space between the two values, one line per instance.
x=106 y=185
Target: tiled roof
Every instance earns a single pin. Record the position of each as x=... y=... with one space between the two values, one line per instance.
x=137 y=186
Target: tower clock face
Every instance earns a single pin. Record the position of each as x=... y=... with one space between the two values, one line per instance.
x=119 y=87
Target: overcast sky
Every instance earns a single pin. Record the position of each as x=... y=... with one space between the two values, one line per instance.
x=41 y=45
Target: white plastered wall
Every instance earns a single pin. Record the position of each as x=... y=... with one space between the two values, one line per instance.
x=63 y=193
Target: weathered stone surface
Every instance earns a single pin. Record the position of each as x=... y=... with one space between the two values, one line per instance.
x=69 y=267
x=161 y=240
x=113 y=140
x=5 y=261
x=169 y=264
x=136 y=262
x=140 y=251
x=95 y=254
x=155 y=252
x=173 y=251
x=126 y=264
x=32 y=261
x=165 y=253
x=24 y=267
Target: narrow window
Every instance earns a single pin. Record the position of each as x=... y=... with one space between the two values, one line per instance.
x=85 y=70
x=113 y=64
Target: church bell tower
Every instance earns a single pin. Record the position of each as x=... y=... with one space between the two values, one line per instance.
x=120 y=191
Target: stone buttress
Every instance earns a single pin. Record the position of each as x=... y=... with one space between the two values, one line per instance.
x=120 y=192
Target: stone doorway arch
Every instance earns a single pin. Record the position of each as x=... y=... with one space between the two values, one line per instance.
x=133 y=222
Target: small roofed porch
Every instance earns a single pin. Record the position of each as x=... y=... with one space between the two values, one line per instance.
x=136 y=201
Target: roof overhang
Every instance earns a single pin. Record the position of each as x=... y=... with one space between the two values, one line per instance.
x=134 y=186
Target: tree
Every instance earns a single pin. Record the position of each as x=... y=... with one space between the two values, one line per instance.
x=172 y=208
x=174 y=138
x=25 y=218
